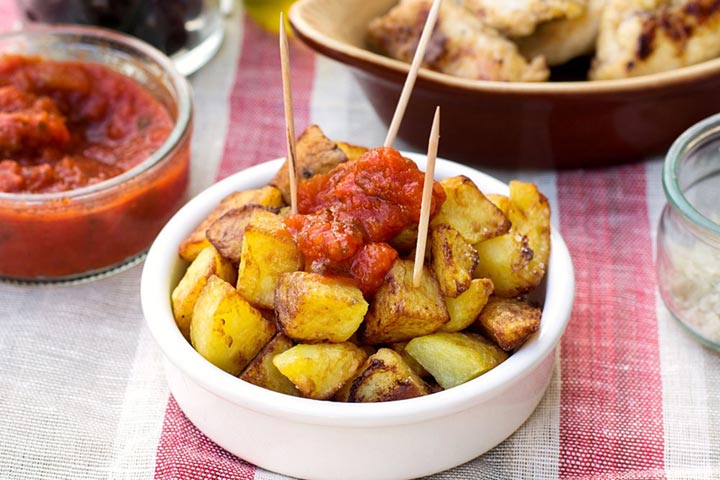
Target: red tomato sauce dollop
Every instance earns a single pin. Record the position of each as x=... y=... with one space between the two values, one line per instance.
x=66 y=125
x=347 y=216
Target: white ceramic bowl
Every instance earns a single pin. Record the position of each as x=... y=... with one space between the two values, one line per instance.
x=326 y=440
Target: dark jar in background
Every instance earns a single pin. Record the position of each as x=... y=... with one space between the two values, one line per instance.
x=190 y=31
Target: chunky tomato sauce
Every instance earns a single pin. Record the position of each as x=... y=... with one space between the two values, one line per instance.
x=65 y=125
x=347 y=216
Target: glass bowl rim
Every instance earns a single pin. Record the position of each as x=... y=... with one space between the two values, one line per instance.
x=699 y=134
x=135 y=45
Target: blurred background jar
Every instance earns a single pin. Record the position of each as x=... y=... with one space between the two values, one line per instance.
x=266 y=12
x=688 y=251
x=189 y=31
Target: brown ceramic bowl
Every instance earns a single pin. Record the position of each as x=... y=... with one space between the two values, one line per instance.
x=552 y=124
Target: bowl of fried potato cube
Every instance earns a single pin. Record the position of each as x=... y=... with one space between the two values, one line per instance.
x=304 y=374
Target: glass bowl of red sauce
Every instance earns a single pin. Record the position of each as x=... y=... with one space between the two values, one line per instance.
x=95 y=131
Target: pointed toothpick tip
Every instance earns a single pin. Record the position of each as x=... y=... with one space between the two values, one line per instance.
x=424 y=222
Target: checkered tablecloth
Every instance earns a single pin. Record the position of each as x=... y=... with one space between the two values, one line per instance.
x=82 y=389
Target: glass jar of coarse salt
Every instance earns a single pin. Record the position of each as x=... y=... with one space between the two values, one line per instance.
x=688 y=252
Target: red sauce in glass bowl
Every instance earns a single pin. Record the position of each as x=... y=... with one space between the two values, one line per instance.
x=347 y=216
x=77 y=193
x=66 y=125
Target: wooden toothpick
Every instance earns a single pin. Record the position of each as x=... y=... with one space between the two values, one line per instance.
x=426 y=199
x=289 y=119
x=412 y=73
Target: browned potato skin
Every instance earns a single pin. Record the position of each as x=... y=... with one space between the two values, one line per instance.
x=320 y=370
x=384 y=377
x=453 y=260
x=468 y=211
x=226 y=233
x=226 y=329
x=267 y=196
x=315 y=154
x=516 y=262
x=508 y=321
x=263 y=373
x=313 y=308
x=208 y=262
x=268 y=251
x=399 y=311
x=465 y=308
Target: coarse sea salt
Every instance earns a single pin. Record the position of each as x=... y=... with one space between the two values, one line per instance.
x=695 y=288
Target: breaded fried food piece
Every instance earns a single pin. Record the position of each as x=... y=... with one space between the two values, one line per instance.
x=461 y=44
x=639 y=37
x=562 y=40
x=519 y=18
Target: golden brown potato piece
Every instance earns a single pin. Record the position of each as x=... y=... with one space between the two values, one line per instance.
x=455 y=358
x=469 y=212
x=467 y=306
x=209 y=262
x=226 y=329
x=384 y=377
x=453 y=260
x=352 y=152
x=315 y=154
x=226 y=233
x=321 y=369
x=314 y=308
x=500 y=201
x=267 y=196
x=508 y=321
x=400 y=348
x=263 y=373
x=405 y=241
x=400 y=311
x=268 y=251
x=516 y=262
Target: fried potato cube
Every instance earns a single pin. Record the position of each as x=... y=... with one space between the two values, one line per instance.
x=501 y=201
x=320 y=370
x=399 y=311
x=226 y=233
x=508 y=321
x=455 y=358
x=400 y=348
x=465 y=308
x=315 y=154
x=226 y=329
x=268 y=251
x=384 y=377
x=313 y=308
x=406 y=240
x=208 y=262
x=263 y=373
x=453 y=260
x=516 y=262
x=267 y=196
x=353 y=152
x=469 y=212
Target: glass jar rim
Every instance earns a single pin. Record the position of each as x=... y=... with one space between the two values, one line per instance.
x=178 y=81
x=701 y=132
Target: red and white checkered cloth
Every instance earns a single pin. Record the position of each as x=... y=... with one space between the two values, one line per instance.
x=82 y=394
